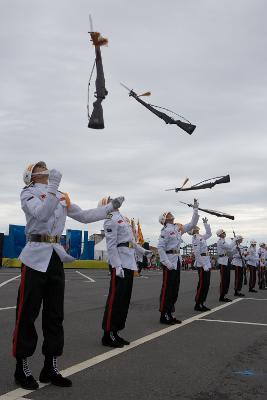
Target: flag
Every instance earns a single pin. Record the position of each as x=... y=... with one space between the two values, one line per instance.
x=134 y=228
x=140 y=237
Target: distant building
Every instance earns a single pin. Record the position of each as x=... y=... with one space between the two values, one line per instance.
x=97 y=237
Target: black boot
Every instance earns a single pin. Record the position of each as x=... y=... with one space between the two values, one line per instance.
x=120 y=339
x=174 y=319
x=225 y=299
x=166 y=319
x=239 y=294
x=110 y=340
x=198 y=307
x=23 y=376
x=204 y=308
x=253 y=291
x=50 y=373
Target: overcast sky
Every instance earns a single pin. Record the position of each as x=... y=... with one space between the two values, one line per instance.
x=205 y=59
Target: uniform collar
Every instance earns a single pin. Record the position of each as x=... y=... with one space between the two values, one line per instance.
x=40 y=185
x=168 y=224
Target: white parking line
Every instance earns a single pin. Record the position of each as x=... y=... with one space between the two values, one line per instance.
x=85 y=276
x=7 y=308
x=16 y=394
x=232 y=322
x=9 y=280
x=252 y=298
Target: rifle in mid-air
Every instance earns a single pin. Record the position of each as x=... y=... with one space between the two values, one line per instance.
x=96 y=119
x=212 y=212
x=186 y=126
x=211 y=182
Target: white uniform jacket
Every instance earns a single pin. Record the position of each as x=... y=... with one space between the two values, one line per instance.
x=236 y=260
x=262 y=255
x=200 y=249
x=46 y=214
x=222 y=249
x=252 y=256
x=171 y=239
x=118 y=230
x=139 y=254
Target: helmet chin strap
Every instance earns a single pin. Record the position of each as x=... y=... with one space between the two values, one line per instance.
x=46 y=172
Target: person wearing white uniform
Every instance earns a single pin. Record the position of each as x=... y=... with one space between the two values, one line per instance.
x=139 y=260
x=252 y=261
x=223 y=248
x=203 y=264
x=169 y=251
x=121 y=246
x=262 y=256
x=42 y=273
x=237 y=262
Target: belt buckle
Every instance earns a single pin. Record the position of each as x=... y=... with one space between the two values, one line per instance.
x=130 y=245
x=51 y=239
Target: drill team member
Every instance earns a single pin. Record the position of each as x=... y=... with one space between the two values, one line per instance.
x=169 y=251
x=237 y=262
x=223 y=262
x=252 y=260
x=262 y=255
x=121 y=245
x=42 y=273
x=203 y=264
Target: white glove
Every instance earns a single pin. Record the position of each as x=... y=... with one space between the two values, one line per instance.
x=195 y=204
x=117 y=202
x=54 y=181
x=119 y=272
x=170 y=267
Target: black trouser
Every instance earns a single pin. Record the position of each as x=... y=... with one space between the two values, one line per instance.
x=238 y=278
x=261 y=277
x=169 y=289
x=203 y=285
x=118 y=301
x=139 y=266
x=37 y=288
x=252 y=276
x=225 y=271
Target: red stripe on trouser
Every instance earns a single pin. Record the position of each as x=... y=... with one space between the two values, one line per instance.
x=222 y=281
x=164 y=288
x=19 y=309
x=199 y=291
x=111 y=298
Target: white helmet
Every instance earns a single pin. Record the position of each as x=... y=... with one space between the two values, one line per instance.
x=27 y=175
x=253 y=241
x=220 y=232
x=162 y=217
x=104 y=201
x=261 y=244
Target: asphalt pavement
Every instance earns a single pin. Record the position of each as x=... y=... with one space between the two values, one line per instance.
x=219 y=355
